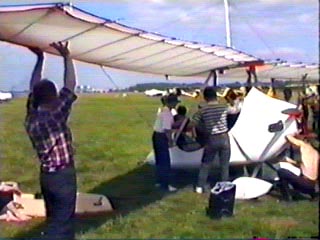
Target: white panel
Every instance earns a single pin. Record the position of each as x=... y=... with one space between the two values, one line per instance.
x=175 y=59
x=251 y=128
x=157 y=58
x=112 y=47
x=189 y=61
x=143 y=54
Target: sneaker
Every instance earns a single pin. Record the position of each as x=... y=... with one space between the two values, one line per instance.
x=171 y=188
x=199 y=190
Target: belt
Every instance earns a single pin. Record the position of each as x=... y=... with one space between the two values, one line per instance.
x=45 y=169
x=159 y=132
x=217 y=134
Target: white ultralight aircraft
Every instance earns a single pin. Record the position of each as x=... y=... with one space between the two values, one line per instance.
x=5 y=96
x=155 y=92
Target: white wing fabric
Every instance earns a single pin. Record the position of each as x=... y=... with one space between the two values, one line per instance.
x=108 y=43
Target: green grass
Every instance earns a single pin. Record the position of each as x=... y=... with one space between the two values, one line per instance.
x=112 y=136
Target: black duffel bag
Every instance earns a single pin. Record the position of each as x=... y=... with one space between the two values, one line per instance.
x=221 y=200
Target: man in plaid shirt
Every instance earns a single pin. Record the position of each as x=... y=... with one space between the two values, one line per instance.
x=46 y=125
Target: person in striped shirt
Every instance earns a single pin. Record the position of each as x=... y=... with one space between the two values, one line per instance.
x=212 y=117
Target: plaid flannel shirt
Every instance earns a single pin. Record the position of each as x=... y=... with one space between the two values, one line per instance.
x=50 y=134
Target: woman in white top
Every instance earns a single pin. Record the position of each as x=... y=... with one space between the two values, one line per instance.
x=162 y=140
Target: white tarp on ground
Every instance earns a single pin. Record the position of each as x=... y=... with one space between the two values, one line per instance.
x=250 y=138
x=108 y=43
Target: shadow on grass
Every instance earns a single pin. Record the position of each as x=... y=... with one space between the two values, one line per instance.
x=127 y=193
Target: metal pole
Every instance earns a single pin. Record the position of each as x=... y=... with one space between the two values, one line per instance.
x=206 y=83
x=227 y=20
x=215 y=78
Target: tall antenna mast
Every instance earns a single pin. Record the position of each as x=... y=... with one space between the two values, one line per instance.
x=227 y=20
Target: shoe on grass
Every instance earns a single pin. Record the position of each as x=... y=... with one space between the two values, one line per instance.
x=172 y=188
x=199 y=190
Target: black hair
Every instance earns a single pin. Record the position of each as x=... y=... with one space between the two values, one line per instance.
x=178 y=92
x=163 y=100
x=209 y=93
x=172 y=98
x=43 y=92
x=287 y=93
x=182 y=110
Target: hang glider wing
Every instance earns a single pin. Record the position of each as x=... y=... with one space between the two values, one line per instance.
x=108 y=43
x=278 y=70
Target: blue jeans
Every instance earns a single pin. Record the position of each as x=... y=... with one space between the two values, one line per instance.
x=162 y=157
x=59 y=192
x=217 y=145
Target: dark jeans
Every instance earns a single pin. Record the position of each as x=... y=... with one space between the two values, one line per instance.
x=217 y=145
x=298 y=182
x=5 y=198
x=59 y=192
x=162 y=157
x=231 y=119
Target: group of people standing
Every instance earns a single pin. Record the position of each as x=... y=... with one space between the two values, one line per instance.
x=211 y=117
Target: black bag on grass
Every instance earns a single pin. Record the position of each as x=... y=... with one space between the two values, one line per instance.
x=221 y=200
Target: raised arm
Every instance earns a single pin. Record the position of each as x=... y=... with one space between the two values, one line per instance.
x=293 y=140
x=69 y=72
x=37 y=71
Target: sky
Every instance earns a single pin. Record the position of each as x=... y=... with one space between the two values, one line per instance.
x=267 y=29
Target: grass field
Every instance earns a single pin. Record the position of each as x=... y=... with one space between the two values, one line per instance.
x=112 y=138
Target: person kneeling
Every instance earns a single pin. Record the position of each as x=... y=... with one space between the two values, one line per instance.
x=305 y=182
x=9 y=209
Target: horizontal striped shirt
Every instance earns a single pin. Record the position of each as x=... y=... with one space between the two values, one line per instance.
x=213 y=116
x=49 y=132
